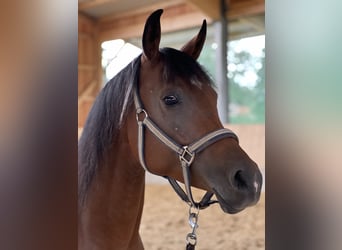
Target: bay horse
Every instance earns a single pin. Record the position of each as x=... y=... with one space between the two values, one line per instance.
x=158 y=114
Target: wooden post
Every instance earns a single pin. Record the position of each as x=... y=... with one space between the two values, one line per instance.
x=221 y=37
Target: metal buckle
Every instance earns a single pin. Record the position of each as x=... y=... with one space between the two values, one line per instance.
x=187 y=156
x=138 y=112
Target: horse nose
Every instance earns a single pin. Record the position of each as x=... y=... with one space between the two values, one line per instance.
x=247 y=179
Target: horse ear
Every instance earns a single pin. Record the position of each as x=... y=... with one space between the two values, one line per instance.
x=194 y=47
x=151 y=36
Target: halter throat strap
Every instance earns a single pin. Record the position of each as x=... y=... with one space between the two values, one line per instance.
x=186 y=153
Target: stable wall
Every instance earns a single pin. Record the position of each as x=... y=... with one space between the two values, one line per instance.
x=89 y=67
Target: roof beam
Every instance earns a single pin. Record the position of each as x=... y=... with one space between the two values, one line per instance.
x=88 y=4
x=148 y=9
x=238 y=8
x=209 y=8
x=132 y=26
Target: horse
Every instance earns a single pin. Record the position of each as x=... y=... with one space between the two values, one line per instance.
x=159 y=115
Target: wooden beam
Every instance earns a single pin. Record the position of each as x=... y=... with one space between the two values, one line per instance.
x=143 y=10
x=89 y=92
x=89 y=53
x=86 y=24
x=177 y=17
x=237 y=8
x=84 y=5
x=85 y=35
x=209 y=8
x=87 y=67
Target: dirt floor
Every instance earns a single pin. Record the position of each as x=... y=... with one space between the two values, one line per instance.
x=165 y=224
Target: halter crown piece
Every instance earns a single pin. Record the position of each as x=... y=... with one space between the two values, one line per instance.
x=186 y=154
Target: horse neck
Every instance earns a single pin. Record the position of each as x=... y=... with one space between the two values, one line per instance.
x=112 y=213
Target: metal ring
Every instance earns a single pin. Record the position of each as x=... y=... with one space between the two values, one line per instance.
x=196 y=211
x=138 y=112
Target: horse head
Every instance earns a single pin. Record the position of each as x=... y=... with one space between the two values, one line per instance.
x=179 y=97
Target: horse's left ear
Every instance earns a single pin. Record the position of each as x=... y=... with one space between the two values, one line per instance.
x=195 y=45
x=151 y=36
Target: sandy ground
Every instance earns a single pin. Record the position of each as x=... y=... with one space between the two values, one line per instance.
x=165 y=223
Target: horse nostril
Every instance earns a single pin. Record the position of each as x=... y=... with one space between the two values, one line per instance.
x=239 y=180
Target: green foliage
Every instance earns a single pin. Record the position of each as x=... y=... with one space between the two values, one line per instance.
x=251 y=98
x=207 y=60
x=247 y=97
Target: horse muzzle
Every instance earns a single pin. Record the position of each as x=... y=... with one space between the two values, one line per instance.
x=242 y=189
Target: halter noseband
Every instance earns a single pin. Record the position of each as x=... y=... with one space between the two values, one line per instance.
x=186 y=153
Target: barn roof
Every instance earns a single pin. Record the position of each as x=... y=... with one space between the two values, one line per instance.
x=125 y=18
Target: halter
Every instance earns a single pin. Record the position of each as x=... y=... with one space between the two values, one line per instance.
x=186 y=156
x=185 y=153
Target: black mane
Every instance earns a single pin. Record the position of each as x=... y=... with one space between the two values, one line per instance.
x=180 y=65
x=103 y=123
x=111 y=105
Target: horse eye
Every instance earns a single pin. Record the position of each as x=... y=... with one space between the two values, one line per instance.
x=170 y=100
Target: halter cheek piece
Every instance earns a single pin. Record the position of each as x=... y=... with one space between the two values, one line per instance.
x=186 y=153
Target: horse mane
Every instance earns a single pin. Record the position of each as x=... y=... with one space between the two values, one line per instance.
x=110 y=108
x=103 y=123
x=181 y=65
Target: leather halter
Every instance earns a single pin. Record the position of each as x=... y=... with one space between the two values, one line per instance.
x=185 y=153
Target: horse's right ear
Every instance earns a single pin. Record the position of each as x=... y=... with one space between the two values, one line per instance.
x=194 y=47
x=151 y=36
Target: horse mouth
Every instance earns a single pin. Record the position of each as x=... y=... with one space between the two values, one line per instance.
x=227 y=208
